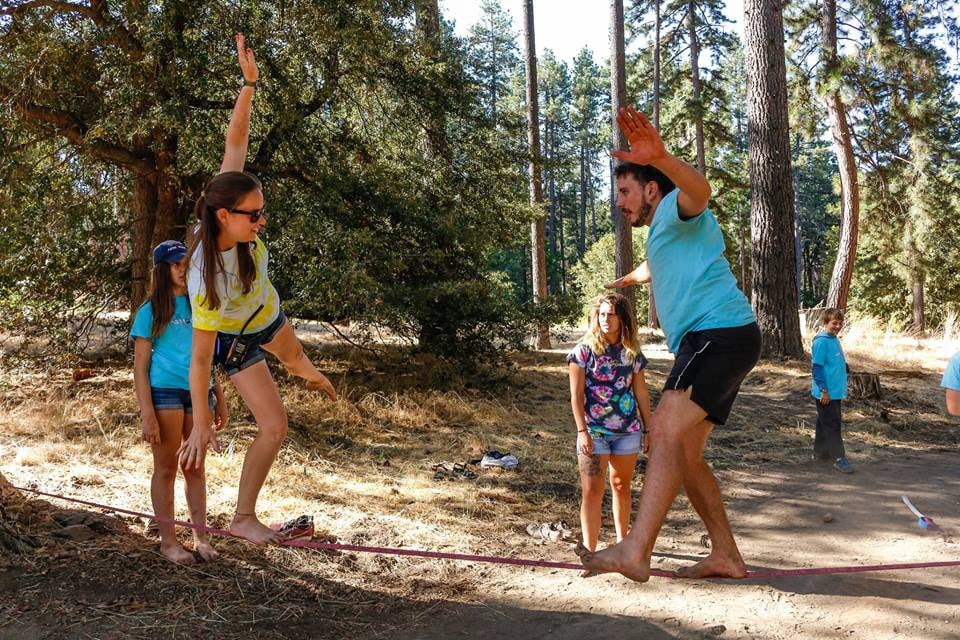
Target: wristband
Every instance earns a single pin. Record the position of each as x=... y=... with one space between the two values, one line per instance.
x=582 y=430
x=248 y=83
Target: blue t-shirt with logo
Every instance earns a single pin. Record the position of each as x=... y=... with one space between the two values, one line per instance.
x=828 y=353
x=951 y=376
x=170 y=357
x=691 y=279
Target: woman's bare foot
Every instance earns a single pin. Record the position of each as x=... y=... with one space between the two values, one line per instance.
x=612 y=560
x=715 y=566
x=251 y=529
x=176 y=553
x=205 y=549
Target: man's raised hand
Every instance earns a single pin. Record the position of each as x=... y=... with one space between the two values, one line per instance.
x=646 y=145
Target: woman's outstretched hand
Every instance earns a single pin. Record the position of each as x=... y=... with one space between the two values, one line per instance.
x=646 y=145
x=248 y=63
x=194 y=448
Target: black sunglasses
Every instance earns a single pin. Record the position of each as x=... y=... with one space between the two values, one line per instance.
x=255 y=215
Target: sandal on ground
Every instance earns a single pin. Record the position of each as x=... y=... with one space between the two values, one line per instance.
x=440 y=471
x=460 y=469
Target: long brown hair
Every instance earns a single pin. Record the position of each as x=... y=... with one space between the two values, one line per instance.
x=224 y=191
x=160 y=296
x=594 y=337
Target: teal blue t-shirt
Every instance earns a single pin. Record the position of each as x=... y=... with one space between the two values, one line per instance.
x=951 y=376
x=828 y=353
x=691 y=279
x=170 y=358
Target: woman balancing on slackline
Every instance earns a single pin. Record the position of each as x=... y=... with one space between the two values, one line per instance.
x=236 y=311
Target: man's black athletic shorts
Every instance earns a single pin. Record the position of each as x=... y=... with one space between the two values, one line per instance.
x=714 y=362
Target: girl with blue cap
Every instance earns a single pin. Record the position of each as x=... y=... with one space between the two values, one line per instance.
x=162 y=335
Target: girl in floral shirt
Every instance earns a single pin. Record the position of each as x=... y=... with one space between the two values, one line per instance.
x=608 y=394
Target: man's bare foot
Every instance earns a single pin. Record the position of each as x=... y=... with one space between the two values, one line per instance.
x=715 y=566
x=205 y=549
x=176 y=553
x=250 y=528
x=612 y=560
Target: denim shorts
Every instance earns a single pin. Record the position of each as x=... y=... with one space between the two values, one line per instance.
x=253 y=341
x=618 y=444
x=164 y=398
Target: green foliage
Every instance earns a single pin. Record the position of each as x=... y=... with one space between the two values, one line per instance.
x=362 y=224
x=597 y=267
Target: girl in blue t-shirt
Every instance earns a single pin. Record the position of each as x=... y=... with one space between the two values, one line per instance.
x=162 y=332
x=608 y=395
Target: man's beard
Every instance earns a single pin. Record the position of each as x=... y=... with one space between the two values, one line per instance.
x=644 y=215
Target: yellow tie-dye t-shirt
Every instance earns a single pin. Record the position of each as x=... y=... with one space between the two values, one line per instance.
x=235 y=306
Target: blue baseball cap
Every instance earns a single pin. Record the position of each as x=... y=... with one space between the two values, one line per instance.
x=169 y=251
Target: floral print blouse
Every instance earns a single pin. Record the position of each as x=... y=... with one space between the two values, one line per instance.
x=610 y=405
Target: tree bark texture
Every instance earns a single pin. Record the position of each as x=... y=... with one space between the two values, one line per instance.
x=843 y=149
x=538 y=252
x=623 y=232
x=652 y=320
x=771 y=197
x=697 y=86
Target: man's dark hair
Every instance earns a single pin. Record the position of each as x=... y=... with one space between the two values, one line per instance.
x=645 y=173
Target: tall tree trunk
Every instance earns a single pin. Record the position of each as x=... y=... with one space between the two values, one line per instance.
x=918 y=161
x=798 y=267
x=656 y=65
x=562 y=253
x=697 y=85
x=582 y=231
x=917 y=277
x=551 y=171
x=593 y=202
x=144 y=208
x=652 y=320
x=538 y=253
x=771 y=198
x=623 y=232
x=843 y=148
x=744 y=270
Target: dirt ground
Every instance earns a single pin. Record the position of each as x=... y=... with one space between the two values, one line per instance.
x=362 y=467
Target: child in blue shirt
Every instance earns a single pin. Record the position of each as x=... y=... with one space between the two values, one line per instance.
x=162 y=332
x=829 y=390
x=951 y=383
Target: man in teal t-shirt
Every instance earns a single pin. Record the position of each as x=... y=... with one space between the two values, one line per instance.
x=951 y=383
x=712 y=331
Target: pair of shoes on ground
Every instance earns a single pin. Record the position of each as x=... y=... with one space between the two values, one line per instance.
x=550 y=531
x=843 y=465
x=496 y=459
x=457 y=470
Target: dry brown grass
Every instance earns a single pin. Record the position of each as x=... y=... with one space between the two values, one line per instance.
x=362 y=466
